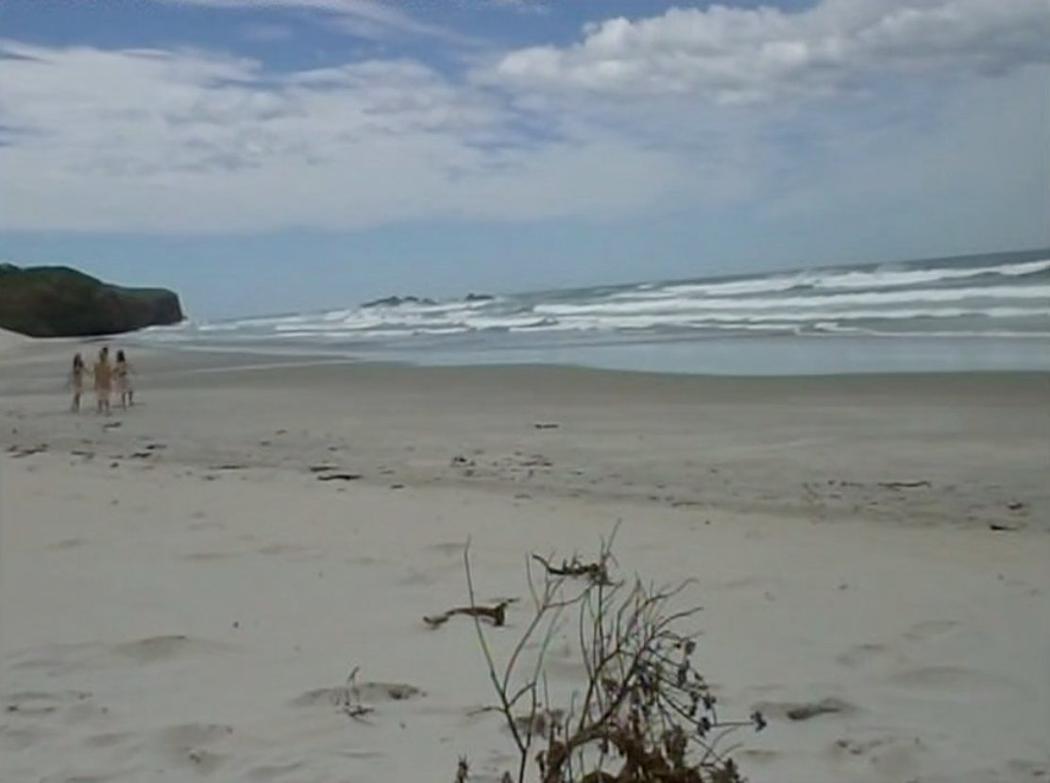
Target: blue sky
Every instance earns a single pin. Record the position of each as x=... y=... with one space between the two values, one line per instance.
x=264 y=156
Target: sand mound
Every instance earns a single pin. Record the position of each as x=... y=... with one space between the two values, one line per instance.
x=9 y=341
x=164 y=648
x=367 y=692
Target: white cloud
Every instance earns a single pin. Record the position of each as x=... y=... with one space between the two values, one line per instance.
x=736 y=55
x=968 y=171
x=188 y=141
x=364 y=18
x=522 y=6
x=152 y=140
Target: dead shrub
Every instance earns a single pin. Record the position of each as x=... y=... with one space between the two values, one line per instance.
x=645 y=714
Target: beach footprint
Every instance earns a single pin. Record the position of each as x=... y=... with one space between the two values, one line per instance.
x=895 y=757
x=160 y=649
x=929 y=629
x=56 y=658
x=804 y=711
x=879 y=653
x=67 y=543
x=863 y=654
x=34 y=704
x=108 y=739
x=192 y=744
x=204 y=557
x=950 y=680
x=365 y=692
x=358 y=700
x=15 y=738
x=269 y=772
x=449 y=548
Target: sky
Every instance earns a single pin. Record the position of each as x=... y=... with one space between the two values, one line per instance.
x=269 y=156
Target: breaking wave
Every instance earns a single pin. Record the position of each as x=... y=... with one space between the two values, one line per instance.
x=1002 y=296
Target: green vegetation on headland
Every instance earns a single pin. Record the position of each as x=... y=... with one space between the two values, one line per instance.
x=56 y=301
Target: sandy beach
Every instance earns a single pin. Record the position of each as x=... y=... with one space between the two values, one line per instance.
x=185 y=585
x=9 y=341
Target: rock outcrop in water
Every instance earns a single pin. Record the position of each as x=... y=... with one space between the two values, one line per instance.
x=397 y=301
x=55 y=301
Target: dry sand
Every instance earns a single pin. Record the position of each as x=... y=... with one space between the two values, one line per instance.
x=10 y=341
x=180 y=594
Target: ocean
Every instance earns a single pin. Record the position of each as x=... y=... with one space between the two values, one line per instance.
x=973 y=313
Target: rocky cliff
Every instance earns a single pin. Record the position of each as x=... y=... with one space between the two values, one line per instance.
x=62 y=302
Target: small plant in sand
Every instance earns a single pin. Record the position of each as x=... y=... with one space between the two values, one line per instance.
x=643 y=714
x=348 y=698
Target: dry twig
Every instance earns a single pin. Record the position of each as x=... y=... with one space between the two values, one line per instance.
x=495 y=614
x=644 y=714
x=349 y=699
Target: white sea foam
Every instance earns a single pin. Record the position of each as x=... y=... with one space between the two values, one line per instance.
x=884 y=277
x=1006 y=300
x=785 y=322
x=640 y=321
x=891 y=277
x=747 y=304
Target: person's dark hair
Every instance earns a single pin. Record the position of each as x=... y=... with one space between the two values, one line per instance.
x=120 y=356
x=78 y=362
x=104 y=353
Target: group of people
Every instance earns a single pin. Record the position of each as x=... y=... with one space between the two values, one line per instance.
x=107 y=378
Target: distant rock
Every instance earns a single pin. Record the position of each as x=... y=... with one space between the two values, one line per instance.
x=397 y=301
x=56 y=301
x=478 y=298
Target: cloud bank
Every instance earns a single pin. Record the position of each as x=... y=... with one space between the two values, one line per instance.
x=362 y=18
x=734 y=55
x=940 y=106
x=155 y=140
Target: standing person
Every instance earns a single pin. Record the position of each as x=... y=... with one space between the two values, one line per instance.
x=77 y=381
x=103 y=373
x=122 y=372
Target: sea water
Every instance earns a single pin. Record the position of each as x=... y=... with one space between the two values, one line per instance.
x=989 y=312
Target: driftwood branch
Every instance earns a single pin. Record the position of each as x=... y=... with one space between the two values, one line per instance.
x=597 y=572
x=495 y=614
x=903 y=484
